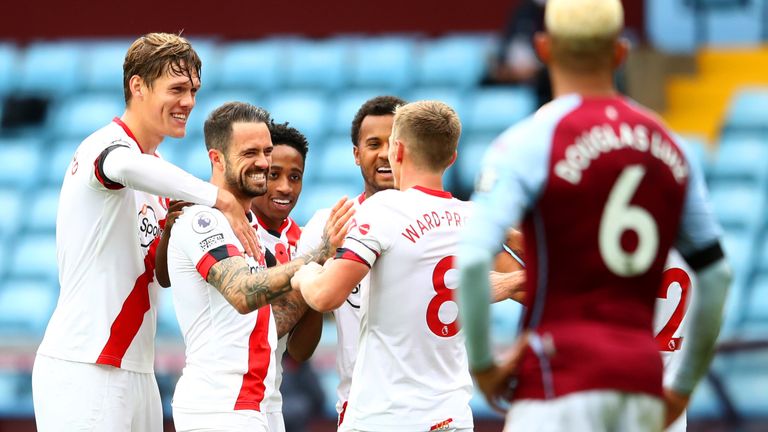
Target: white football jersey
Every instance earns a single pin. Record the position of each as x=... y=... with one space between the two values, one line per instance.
x=347 y=316
x=230 y=360
x=282 y=245
x=411 y=371
x=106 y=310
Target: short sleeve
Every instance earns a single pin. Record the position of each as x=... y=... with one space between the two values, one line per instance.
x=204 y=235
x=368 y=236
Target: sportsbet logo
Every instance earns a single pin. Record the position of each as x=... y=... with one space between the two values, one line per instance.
x=148 y=226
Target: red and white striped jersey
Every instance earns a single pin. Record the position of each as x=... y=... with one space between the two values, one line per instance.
x=106 y=309
x=411 y=371
x=230 y=361
x=282 y=245
x=347 y=316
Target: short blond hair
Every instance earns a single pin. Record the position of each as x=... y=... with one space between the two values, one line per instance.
x=430 y=130
x=584 y=32
x=154 y=54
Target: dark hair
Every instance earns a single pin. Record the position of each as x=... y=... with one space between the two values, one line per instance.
x=380 y=105
x=282 y=134
x=218 y=125
x=150 y=55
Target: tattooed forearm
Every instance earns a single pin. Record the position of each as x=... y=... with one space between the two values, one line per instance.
x=288 y=310
x=246 y=291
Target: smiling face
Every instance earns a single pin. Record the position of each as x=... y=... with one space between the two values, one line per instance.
x=167 y=103
x=371 y=153
x=283 y=187
x=247 y=159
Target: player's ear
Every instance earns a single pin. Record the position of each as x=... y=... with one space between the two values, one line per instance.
x=356 y=152
x=136 y=84
x=620 y=51
x=453 y=158
x=217 y=160
x=399 y=150
x=542 y=43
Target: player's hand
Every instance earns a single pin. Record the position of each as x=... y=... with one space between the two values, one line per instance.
x=174 y=211
x=305 y=273
x=496 y=382
x=233 y=211
x=336 y=228
x=676 y=403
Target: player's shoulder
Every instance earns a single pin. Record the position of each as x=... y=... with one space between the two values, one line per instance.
x=200 y=219
x=109 y=135
x=319 y=217
x=385 y=198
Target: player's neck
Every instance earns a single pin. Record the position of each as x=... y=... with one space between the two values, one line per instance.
x=148 y=141
x=429 y=180
x=584 y=84
x=266 y=221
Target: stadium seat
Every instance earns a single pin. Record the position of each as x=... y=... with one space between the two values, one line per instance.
x=742 y=160
x=45 y=204
x=26 y=306
x=471 y=152
x=739 y=250
x=319 y=195
x=305 y=110
x=11 y=202
x=59 y=161
x=748 y=110
x=337 y=163
x=452 y=61
x=757 y=302
x=209 y=52
x=313 y=165
x=252 y=65
x=384 y=62
x=738 y=205
x=318 y=64
x=494 y=110
x=81 y=115
x=35 y=257
x=346 y=105
x=103 y=66
x=195 y=159
x=22 y=158
x=51 y=68
x=8 y=68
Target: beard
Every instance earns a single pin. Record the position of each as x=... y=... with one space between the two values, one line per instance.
x=244 y=186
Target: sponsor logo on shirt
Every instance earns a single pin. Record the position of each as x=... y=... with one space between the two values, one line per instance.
x=364 y=228
x=149 y=228
x=212 y=242
x=443 y=425
x=203 y=222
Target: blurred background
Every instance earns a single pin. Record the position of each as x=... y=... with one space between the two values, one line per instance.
x=702 y=64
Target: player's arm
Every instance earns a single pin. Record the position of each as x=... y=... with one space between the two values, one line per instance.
x=326 y=288
x=161 y=254
x=247 y=292
x=507 y=285
x=305 y=336
x=119 y=165
x=698 y=242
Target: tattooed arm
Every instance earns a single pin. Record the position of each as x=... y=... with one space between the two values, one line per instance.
x=248 y=292
x=305 y=336
x=288 y=311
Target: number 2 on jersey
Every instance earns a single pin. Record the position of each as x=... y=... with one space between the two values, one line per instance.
x=665 y=338
x=443 y=295
x=620 y=216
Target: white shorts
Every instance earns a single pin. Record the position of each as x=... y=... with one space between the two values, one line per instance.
x=594 y=411
x=73 y=396
x=275 y=421
x=230 y=421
